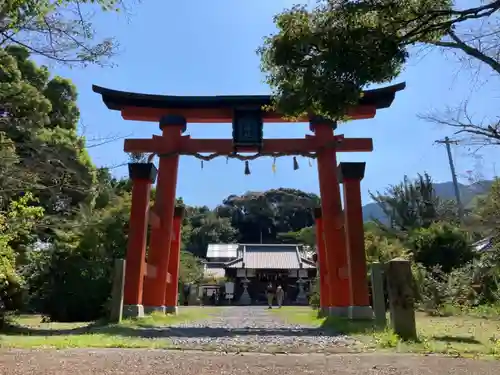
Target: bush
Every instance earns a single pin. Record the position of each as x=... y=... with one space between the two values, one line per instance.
x=452 y=289
x=10 y=281
x=314 y=295
x=440 y=245
x=381 y=249
x=486 y=276
x=71 y=280
x=70 y=285
x=469 y=287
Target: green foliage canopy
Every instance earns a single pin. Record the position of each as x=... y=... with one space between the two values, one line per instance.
x=39 y=133
x=59 y=30
x=322 y=57
x=440 y=245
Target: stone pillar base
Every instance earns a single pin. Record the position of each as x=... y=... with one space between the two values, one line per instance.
x=154 y=309
x=360 y=312
x=341 y=312
x=133 y=311
x=171 y=310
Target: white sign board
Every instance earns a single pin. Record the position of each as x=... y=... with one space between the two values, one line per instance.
x=250 y=272
x=303 y=274
x=292 y=273
x=229 y=287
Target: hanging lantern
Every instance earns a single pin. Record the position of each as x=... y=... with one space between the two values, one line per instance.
x=274 y=165
x=247 y=168
x=310 y=162
x=295 y=163
x=201 y=164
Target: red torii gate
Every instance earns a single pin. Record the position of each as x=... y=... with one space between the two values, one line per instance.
x=342 y=264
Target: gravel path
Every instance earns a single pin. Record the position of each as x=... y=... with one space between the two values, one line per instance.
x=255 y=328
x=156 y=362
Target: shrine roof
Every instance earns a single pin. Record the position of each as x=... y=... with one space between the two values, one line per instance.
x=271 y=256
x=222 y=250
x=117 y=100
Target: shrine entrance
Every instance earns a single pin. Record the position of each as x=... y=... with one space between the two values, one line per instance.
x=153 y=286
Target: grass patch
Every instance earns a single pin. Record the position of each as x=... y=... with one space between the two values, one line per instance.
x=483 y=311
x=29 y=331
x=460 y=335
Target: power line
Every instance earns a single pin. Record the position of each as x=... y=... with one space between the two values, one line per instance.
x=447 y=142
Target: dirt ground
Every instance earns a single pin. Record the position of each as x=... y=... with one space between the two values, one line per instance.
x=152 y=362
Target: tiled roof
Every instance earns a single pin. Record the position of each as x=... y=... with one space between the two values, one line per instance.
x=271 y=257
x=222 y=250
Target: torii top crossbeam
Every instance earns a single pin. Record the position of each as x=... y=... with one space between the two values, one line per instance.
x=219 y=109
x=227 y=109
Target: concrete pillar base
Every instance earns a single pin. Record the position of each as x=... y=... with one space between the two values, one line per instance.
x=154 y=309
x=133 y=311
x=360 y=312
x=341 y=312
x=171 y=310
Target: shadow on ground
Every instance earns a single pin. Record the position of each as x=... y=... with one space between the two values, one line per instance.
x=141 y=330
x=457 y=339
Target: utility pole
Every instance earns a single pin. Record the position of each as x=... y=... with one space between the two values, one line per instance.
x=447 y=142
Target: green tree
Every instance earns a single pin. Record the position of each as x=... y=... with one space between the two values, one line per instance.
x=305 y=236
x=58 y=30
x=442 y=245
x=411 y=204
x=15 y=224
x=379 y=248
x=262 y=215
x=488 y=208
x=190 y=270
x=39 y=130
x=205 y=227
x=321 y=57
x=79 y=258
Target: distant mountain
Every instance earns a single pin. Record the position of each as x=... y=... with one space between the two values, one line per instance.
x=444 y=191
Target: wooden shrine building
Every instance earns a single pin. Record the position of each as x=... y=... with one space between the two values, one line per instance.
x=260 y=264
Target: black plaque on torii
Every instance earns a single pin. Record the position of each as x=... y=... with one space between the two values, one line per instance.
x=247 y=128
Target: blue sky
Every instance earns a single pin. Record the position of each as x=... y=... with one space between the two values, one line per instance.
x=199 y=47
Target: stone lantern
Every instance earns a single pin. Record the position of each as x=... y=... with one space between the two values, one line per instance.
x=245 y=296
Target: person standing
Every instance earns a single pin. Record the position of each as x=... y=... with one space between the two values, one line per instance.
x=270 y=295
x=280 y=295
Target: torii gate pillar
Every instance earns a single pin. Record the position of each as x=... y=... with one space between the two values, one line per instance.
x=332 y=219
x=155 y=284
x=322 y=265
x=172 y=292
x=142 y=175
x=351 y=174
